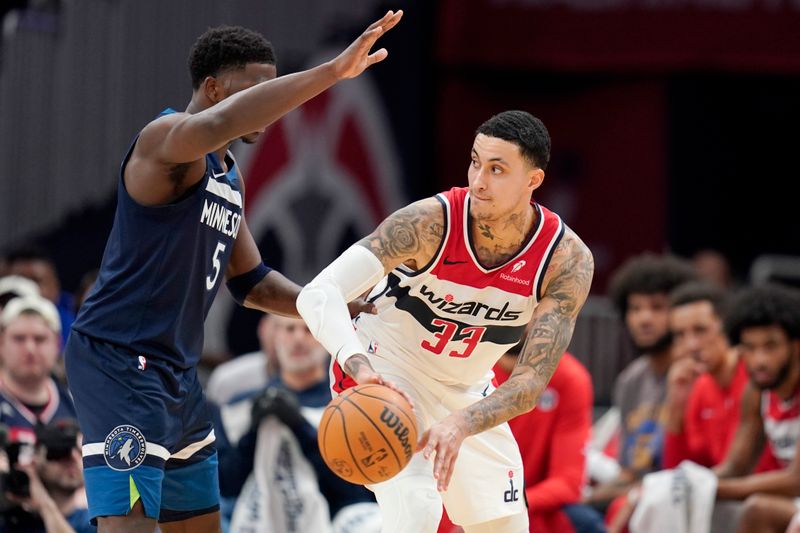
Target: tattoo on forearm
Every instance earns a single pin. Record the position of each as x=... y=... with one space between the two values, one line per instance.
x=548 y=337
x=355 y=363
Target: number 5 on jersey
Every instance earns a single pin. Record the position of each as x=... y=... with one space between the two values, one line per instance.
x=470 y=335
x=211 y=280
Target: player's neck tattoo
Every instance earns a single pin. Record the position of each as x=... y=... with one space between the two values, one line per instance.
x=486 y=231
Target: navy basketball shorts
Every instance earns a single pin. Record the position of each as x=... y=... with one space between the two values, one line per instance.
x=147 y=433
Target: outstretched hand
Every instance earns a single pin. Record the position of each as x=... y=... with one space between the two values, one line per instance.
x=356 y=58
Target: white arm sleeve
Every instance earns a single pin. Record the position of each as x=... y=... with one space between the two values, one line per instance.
x=323 y=302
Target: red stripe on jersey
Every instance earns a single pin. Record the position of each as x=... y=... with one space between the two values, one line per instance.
x=517 y=275
x=341 y=381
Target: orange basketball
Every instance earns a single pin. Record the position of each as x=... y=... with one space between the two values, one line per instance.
x=367 y=434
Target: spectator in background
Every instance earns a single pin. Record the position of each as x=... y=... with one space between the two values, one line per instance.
x=56 y=500
x=711 y=265
x=706 y=383
x=247 y=372
x=30 y=344
x=296 y=396
x=14 y=287
x=35 y=264
x=764 y=322
x=640 y=291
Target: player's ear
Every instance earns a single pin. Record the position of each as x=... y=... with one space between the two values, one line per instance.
x=212 y=89
x=536 y=177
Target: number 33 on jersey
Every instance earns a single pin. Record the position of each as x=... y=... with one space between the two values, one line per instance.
x=456 y=317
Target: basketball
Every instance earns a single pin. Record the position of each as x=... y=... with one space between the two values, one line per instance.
x=367 y=434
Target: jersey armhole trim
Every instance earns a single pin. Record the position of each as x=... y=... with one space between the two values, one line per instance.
x=546 y=262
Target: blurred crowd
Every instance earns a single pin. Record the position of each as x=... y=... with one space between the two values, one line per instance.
x=702 y=434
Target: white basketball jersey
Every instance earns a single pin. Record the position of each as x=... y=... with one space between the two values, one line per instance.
x=454 y=318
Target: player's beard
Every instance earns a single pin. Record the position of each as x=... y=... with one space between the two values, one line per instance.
x=780 y=377
x=659 y=345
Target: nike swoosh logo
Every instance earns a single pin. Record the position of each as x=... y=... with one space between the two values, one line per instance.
x=448 y=262
x=485 y=390
x=220 y=175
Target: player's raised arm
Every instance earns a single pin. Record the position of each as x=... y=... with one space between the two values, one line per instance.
x=569 y=278
x=189 y=137
x=411 y=235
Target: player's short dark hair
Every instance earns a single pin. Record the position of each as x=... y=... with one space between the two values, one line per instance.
x=764 y=305
x=648 y=273
x=227 y=47
x=700 y=291
x=524 y=130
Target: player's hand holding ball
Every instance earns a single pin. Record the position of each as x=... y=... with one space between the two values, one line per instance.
x=367 y=375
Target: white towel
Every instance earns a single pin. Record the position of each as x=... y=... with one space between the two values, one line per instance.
x=282 y=494
x=680 y=500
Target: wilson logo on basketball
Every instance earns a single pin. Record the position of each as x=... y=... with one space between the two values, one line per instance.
x=393 y=422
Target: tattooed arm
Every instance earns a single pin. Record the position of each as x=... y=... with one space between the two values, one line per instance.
x=411 y=236
x=568 y=280
x=553 y=321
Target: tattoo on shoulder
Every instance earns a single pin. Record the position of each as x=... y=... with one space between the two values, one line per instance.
x=573 y=269
x=416 y=228
x=554 y=318
x=549 y=334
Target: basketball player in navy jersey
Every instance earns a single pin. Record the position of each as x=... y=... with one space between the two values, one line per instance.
x=456 y=279
x=179 y=230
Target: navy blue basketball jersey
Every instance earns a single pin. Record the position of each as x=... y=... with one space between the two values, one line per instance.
x=163 y=265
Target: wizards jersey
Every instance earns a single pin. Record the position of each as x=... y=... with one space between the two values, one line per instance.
x=455 y=317
x=781 y=425
x=162 y=267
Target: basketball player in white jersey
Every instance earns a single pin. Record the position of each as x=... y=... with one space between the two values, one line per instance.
x=455 y=279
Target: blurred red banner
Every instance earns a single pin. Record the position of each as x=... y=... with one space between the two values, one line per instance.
x=638 y=35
